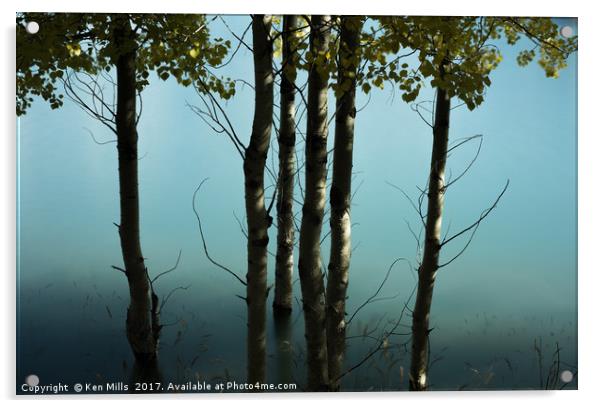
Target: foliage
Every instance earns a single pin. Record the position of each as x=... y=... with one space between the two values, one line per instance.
x=456 y=53
x=169 y=44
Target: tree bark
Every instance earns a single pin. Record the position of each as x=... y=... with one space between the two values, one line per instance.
x=340 y=198
x=142 y=324
x=257 y=217
x=310 y=268
x=432 y=245
x=283 y=291
x=284 y=348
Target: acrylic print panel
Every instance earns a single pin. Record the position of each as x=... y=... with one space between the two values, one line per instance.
x=295 y=203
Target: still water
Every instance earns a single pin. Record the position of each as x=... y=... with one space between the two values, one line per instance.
x=72 y=331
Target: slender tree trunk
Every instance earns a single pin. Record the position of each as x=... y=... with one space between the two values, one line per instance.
x=340 y=198
x=432 y=240
x=283 y=293
x=257 y=217
x=142 y=320
x=310 y=268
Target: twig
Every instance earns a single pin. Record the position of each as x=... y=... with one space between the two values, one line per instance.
x=382 y=284
x=96 y=141
x=203 y=237
x=484 y=214
x=169 y=270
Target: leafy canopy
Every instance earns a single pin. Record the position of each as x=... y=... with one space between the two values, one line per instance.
x=328 y=63
x=175 y=45
x=456 y=53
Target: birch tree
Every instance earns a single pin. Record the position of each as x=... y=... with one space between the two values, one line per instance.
x=254 y=155
x=310 y=266
x=79 y=51
x=283 y=285
x=348 y=60
x=258 y=221
x=455 y=55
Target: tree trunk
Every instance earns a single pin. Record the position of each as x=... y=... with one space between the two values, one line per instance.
x=283 y=293
x=432 y=245
x=284 y=357
x=340 y=198
x=147 y=371
x=310 y=268
x=142 y=325
x=257 y=217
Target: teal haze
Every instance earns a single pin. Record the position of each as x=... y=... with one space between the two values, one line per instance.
x=514 y=284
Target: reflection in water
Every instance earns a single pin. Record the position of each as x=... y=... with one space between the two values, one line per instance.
x=145 y=373
x=284 y=348
x=206 y=342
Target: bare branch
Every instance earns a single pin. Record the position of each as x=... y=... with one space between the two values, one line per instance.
x=173 y=268
x=483 y=215
x=418 y=211
x=241 y=41
x=381 y=341
x=382 y=284
x=96 y=141
x=474 y=159
x=74 y=91
x=462 y=142
x=171 y=292
x=416 y=108
x=196 y=213
x=118 y=269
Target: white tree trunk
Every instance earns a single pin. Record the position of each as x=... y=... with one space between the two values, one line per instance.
x=340 y=198
x=283 y=290
x=257 y=217
x=310 y=268
x=432 y=245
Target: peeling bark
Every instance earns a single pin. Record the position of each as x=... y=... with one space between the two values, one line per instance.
x=283 y=290
x=310 y=268
x=340 y=199
x=142 y=324
x=257 y=217
x=432 y=245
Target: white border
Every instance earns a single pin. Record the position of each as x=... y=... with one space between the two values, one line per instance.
x=590 y=204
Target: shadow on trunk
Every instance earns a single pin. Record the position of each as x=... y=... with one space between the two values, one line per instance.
x=310 y=266
x=142 y=318
x=340 y=199
x=258 y=220
x=432 y=245
x=283 y=285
